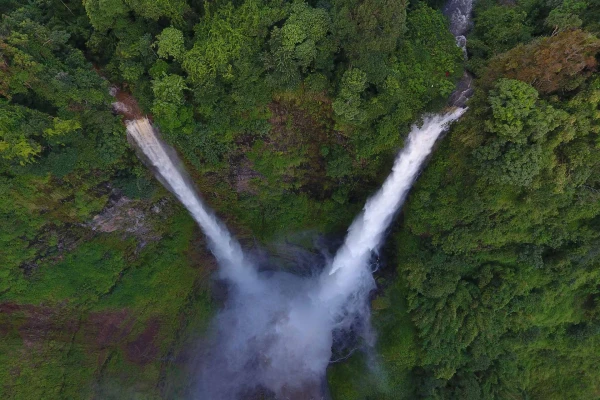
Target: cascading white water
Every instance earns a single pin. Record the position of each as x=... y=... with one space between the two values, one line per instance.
x=349 y=270
x=229 y=254
x=277 y=331
x=279 y=323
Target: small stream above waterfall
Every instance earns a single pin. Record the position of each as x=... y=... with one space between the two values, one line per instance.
x=458 y=13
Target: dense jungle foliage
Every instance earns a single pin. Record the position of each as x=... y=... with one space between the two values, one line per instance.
x=288 y=115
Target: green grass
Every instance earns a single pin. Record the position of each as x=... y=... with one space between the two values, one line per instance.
x=165 y=282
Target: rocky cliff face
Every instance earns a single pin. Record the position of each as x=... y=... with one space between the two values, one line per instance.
x=131 y=218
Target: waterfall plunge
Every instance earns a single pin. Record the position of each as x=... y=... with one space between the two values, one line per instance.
x=280 y=324
x=226 y=249
x=349 y=268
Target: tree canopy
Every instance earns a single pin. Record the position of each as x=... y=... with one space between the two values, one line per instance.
x=287 y=115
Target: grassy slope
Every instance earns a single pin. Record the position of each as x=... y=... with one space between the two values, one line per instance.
x=104 y=320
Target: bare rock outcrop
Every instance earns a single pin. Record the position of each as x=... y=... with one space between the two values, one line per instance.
x=129 y=217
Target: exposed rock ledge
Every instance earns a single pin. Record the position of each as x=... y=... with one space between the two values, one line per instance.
x=128 y=216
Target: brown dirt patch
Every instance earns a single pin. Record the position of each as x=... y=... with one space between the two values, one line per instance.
x=126 y=104
x=11 y=308
x=243 y=174
x=301 y=125
x=143 y=349
x=109 y=327
x=35 y=324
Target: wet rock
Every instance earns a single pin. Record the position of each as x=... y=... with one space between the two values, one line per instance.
x=129 y=217
x=459 y=14
x=120 y=108
x=243 y=174
x=125 y=104
x=462 y=93
x=120 y=216
x=29 y=268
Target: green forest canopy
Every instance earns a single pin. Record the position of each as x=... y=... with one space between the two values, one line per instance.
x=288 y=115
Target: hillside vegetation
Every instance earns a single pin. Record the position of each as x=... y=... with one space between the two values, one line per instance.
x=288 y=115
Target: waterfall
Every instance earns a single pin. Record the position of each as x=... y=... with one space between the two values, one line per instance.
x=349 y=266
x=234 y=266
x=277 y=331
x=349 y=270
x=283 y=325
